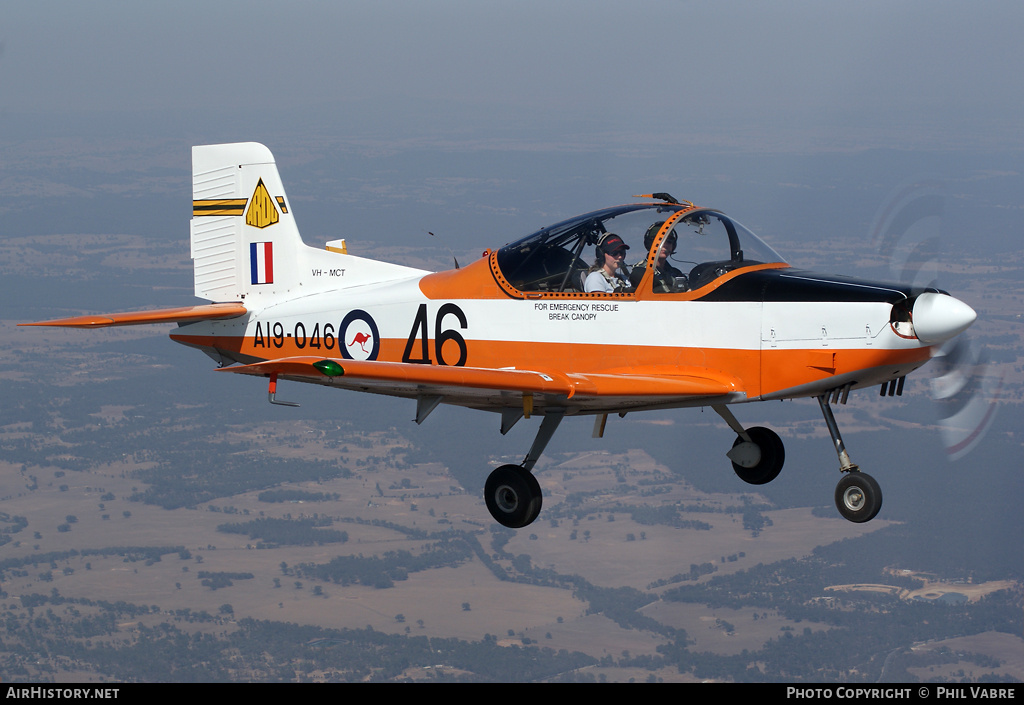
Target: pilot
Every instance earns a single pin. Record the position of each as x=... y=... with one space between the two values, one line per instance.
x=667 y=279
x=609 y=273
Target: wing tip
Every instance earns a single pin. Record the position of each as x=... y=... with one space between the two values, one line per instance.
x=74 y=322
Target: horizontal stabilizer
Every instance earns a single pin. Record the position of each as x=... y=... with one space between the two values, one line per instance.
x=186 y=314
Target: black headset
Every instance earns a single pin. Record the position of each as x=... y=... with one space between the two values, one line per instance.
x=648 y=238
x=599 y=249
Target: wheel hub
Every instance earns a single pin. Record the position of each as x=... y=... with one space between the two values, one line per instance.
x=745 y=454
x=506 y=499
x=853 y=498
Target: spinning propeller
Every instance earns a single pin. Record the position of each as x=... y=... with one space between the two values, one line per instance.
x=966 y=386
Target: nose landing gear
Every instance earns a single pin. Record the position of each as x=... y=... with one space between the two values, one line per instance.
x=858 y=496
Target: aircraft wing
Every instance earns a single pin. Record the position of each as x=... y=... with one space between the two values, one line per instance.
x=185 y=314
x=482 y=388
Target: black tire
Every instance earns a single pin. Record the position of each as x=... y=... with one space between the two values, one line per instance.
x=773 y=455
x=513 y=496
x=858 y=497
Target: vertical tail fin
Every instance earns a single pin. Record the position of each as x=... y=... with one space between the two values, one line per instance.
x=245 y=243
x=243 y=232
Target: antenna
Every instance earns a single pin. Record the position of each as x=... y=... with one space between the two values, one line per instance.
x=445 y=247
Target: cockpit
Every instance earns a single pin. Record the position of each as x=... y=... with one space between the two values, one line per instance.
x=686 y=248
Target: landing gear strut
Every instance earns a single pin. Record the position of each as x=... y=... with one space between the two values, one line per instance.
x=511 y=493
x=858 y=496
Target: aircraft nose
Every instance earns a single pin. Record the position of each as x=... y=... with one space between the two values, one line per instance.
x=939 y=317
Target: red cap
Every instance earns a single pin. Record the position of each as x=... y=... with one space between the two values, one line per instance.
x=613 y=242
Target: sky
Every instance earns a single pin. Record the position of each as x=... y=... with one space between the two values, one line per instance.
x=774 y=76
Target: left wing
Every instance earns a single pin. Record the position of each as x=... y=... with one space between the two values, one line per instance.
x=482 y=387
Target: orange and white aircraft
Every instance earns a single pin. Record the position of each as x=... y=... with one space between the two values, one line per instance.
x=555 y=324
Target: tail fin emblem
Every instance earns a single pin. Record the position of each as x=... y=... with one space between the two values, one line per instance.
x=262 y=212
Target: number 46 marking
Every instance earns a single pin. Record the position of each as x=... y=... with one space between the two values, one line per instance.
x=419 y=332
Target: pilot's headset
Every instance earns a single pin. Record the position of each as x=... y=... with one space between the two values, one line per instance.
x=608 y=241
x=652 y=232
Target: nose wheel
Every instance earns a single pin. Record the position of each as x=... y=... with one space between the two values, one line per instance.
x=513 y=496
x=858 y=497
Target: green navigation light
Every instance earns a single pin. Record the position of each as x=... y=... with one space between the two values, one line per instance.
x=330 y=368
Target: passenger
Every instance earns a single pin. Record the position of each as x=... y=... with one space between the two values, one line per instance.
x=609 y=273
x=667 y=279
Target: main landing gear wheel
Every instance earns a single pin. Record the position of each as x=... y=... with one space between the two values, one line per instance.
x=773 y=455
x=513 y=496
x=858 y=497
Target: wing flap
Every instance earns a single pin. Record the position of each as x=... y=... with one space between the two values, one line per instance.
x=681 y=383
x=185 y=314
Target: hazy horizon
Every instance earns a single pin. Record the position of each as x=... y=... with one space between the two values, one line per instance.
x=778 y=76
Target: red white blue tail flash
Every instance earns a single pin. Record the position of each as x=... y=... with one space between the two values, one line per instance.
x=261 y=261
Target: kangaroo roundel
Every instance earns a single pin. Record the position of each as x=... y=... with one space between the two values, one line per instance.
x=359 y=337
